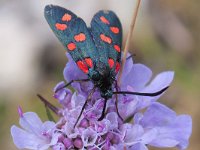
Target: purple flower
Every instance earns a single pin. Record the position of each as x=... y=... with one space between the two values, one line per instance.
x=35 y=134
x=146 y=122
x=159 y=126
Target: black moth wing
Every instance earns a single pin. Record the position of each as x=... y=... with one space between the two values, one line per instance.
x=106 y=30
x=73 y=34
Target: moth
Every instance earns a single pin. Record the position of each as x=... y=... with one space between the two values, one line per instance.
x=96 y=50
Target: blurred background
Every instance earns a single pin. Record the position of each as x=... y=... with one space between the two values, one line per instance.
x=166 y=37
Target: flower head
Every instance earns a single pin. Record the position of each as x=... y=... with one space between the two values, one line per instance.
x=145 y=121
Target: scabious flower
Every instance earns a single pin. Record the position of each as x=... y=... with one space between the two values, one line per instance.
x=146 y=121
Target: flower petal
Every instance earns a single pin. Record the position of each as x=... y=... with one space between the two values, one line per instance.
x=173 y=130
x=138 y=146
x=137 y=78
x=77 y=100
x=112 y=117
x=157 y=115
x=127 y=66
x=23 y=139
x=31 y=122
x=176 y=134
x=131 y=106
x=161 y=81
x=89 y=137
x=132 y=133
x=48 y=127
x=63 y=95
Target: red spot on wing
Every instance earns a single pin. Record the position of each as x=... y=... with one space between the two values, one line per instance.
x=104 y=20
x=114 y=30
x=66 y=17
x=89 y=62
x=60 y=26
x=80 y=37
x=117 y=66
x=82 y=66
x=106 y=39
x=71 y=46
x=111 y=62
x=117 y=48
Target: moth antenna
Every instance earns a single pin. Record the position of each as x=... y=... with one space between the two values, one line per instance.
x=86 y=101
x=143 y=94
x=126 y=48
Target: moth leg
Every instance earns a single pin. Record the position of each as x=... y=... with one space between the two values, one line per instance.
x=103 y=112
x=116 y=102
x=88 y=99
x=69 y=83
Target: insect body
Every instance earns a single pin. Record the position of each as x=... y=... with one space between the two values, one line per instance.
x=96 y=50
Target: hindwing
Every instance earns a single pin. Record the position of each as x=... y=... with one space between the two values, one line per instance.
x=106 y=30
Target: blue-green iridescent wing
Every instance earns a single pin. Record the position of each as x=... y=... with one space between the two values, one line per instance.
x=73 y=34
x=106 y=30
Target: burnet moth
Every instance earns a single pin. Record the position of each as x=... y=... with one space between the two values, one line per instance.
x=95 y=50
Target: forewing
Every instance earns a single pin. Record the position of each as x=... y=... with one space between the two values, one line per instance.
x=107 y=34
x=73 y=34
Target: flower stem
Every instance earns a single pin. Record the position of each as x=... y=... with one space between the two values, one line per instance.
x=126 y=48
